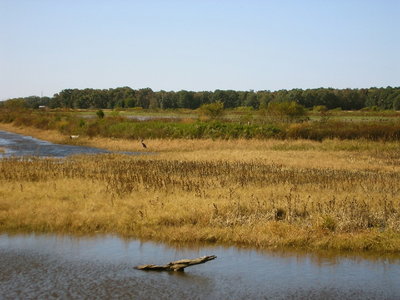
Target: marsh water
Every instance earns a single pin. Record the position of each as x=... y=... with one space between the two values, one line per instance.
x=65 y=267
x=141 y=117
x=101 y=267
x=20 y=145
x=15 y=144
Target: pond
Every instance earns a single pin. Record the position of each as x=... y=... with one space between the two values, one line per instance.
x=20 y=145
x=50 y=267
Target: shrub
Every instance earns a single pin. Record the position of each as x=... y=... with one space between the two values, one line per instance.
x=320 y=108
x=213 y=110
x=100 y=114
x=286 y=111
x=371 y=108
x=94 y=129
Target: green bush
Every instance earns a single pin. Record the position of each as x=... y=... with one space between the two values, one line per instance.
x=100 y=114
x=320 y=108
x=286 y=111
x=213 y=110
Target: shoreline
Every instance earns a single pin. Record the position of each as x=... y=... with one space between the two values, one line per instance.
x=175 y=244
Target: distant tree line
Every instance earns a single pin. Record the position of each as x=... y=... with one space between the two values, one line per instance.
x=126 y=97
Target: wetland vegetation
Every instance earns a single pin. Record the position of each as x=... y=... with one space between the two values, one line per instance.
x=302 y=194
x=276 y=123
x=280 y=177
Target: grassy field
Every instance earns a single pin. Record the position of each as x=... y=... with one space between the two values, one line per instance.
x=241 y=114
x=234 y=125
x=334 y=194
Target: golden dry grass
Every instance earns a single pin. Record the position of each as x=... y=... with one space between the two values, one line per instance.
x=248 y=202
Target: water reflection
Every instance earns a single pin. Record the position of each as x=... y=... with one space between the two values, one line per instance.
x=102 y=267
x=148 y=118
x=20 y=145
x=142 y=117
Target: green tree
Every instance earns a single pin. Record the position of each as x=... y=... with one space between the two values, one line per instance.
x=264 y=97
x=143 y=97
x=15 y=104
x=251 y=100
x=396 y=103
x=185 y=99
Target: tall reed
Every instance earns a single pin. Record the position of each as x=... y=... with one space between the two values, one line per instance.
x=243 y=202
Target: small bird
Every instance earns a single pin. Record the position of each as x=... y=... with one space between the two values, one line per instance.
x=143 y=144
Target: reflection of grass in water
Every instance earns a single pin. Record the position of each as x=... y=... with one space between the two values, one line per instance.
x=194 y=199
x=2 y=150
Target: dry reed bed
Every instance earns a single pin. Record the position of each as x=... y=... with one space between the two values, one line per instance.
x=242 y=202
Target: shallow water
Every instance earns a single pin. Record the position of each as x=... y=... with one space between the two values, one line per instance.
x=148 y=118
x=19 y=145
x=52 y=267
x=139 y=117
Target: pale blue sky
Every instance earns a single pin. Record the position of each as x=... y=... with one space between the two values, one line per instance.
x=47 y=46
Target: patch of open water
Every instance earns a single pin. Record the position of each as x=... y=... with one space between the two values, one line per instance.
x=53 y=267
x=19 y=145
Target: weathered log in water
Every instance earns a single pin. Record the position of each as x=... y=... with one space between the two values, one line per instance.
x=177 y=266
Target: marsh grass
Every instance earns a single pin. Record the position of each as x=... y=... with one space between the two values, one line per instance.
x=244 y=202
x=330 y=194
x=117 y=125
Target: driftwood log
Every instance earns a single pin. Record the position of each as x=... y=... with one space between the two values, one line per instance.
x=177 y=266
